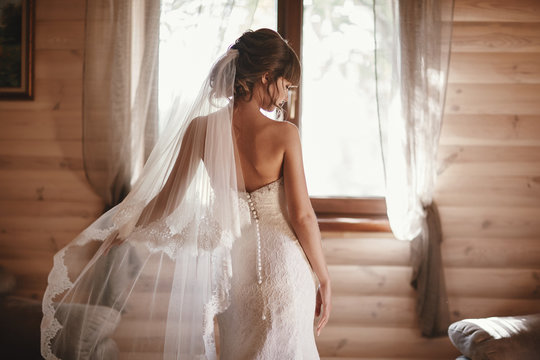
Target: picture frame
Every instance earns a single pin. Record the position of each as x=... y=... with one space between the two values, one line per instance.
x=17 y=49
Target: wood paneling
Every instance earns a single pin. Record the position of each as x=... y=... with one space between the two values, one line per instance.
x=45 y=200
x=483 y=129
x=458 y=252
x=493 y=99
x=488 y=186
x=488 y=189
x=54 y=34
x=497 y=10
x=60 y=10
x=495 y=37
x=56 y=125
x=494 y=68
x=373 y=342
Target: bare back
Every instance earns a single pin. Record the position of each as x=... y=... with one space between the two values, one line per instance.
x=260 y=151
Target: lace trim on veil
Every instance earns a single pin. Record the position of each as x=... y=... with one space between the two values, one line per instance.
x=157 y=236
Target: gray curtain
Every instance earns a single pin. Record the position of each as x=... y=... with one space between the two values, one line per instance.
x=120 y=112
x=411 y=73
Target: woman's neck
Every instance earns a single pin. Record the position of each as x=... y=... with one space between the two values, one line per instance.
x=246 y=113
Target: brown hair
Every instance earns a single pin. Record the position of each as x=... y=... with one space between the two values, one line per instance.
x=259 y=52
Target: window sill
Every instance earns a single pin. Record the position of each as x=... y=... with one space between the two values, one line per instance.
x=368 y=223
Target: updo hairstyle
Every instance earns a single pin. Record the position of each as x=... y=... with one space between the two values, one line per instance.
x=259 y=52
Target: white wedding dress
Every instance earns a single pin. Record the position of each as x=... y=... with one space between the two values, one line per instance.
x=273 y=319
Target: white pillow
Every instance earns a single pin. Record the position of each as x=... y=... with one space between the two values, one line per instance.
x=498 y=338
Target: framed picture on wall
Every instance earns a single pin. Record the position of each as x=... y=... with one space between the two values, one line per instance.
x=16 y=49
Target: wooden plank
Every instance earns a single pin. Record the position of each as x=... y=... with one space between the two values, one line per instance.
x=510 y=185
x=360 y=223
x=35 y=244
x=8 y=162
x=493 y=99
x=471 y=308
x=371 y=280
x=488 y=197
x=39 y=208
x=37 y=189
x=456 y=171
x=497 y=10
x=51 y=95
x=329 y=235
x=347 y=341
x=365 y=251
x=494 y=283
x=59 y=35
x=505 y=130
x=520 y=191
x=349 y=206
x=488 y=154
x=497 y=189
x=495 y=37
x=41 y=148
x=481 y=222
x=469 y=252
x=59 y=64
x=494 y=68
x=39 y=125
x=29 y=223
x=60 y=10
x=45 y=175
x=468 y=282
x=380 y=311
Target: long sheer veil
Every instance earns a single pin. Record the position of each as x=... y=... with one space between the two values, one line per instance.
x=155 y=294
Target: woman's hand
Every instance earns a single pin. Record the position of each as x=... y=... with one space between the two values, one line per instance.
x=323 y=305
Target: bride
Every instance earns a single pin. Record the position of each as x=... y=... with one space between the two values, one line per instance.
x=219 y=226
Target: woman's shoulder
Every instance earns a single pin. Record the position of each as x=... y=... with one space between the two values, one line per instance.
x=282 y=134
x=284 y=129
x=289 y=133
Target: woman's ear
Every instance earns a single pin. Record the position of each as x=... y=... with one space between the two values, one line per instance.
x=265 y=78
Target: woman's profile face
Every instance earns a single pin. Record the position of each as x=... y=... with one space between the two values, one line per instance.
x=282 y=86
x=279 y=93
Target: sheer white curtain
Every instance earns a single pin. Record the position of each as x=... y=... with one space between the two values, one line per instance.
x=411 y=103
x=120 y=92
x=193 y=34
x=131 y=46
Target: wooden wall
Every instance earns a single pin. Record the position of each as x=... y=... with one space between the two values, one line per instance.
x=45 y=200
x=488 y=193
x=488 y=189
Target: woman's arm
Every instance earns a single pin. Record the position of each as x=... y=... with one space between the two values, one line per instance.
x=185 y=166
x=303 y=219
x=167 y=199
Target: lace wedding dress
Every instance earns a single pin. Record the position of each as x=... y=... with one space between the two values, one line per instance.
x=272 y=306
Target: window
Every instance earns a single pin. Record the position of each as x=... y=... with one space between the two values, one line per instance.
x=335 y=103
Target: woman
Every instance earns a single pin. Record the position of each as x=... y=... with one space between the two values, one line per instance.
x=219 y=223
x=269 y=152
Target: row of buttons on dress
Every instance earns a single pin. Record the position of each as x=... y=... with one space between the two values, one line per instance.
x=258 y=234
x=256 y=218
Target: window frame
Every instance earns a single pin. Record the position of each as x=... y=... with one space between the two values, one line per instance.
x=334 y=213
